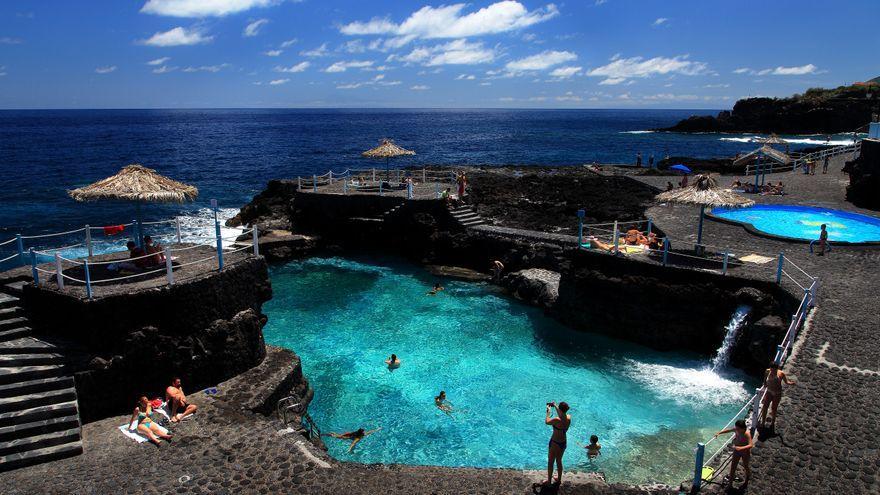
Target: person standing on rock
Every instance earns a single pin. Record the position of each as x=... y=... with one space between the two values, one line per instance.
x=651 y=161
x=825 y=165
x=773 y=380
x=639 y=159
x=556 y=448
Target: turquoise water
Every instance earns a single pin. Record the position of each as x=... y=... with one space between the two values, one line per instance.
x=499 y=362
x=804 y=222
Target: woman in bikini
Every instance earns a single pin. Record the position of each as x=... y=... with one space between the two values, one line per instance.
x=145 y=424
x=556 y=448
x=355 y=436
x=773 y=380
x=443 y=404
x=742 y=449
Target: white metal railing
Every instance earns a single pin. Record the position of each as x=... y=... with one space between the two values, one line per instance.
x=137 y=264
x=800 y=159
x=374 y=180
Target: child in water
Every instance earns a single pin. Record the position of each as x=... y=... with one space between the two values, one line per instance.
x=594 y=449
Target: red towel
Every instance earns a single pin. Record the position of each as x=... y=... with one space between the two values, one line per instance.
x=114 y=229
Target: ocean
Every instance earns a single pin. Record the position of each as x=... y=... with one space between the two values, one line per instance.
x=231 y=154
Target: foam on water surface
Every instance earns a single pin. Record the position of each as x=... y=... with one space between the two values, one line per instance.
x=499 y=362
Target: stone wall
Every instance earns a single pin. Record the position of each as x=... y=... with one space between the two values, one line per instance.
x=204 y=330
x=864 y=176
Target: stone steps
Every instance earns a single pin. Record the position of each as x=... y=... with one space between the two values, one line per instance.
x=37 y=399
x=46 y=454
x=39 y=427
x=37 y=385
x=466 y=216
x=39 y=417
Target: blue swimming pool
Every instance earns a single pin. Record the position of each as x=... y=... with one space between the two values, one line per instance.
x=804 y=222
x=499 y=362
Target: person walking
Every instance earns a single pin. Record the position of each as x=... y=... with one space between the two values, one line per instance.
x=823 y=239
x=825 y=165
x=556 y=448
x=774 y=378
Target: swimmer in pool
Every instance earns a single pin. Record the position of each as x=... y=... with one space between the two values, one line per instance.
x=437 y=288
x=594 y=450
x=355 y=436
x=443 y=404
x=393 y=362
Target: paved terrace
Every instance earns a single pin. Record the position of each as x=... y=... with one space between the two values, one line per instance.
x=828 y=425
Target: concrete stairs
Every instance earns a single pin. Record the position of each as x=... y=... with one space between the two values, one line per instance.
x=39 y=419
x=466 y=216
x=389 y=214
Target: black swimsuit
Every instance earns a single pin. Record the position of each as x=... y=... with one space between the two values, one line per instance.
x=561 y=444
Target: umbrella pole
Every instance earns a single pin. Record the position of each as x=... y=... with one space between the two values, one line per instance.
x=698 y=247
x=139 y=228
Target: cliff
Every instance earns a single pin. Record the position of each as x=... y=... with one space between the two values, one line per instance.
x=817 y=111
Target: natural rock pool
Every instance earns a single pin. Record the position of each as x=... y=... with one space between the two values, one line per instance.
x=499 y=362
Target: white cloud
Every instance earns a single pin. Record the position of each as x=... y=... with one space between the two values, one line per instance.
x=321 y=51
x=105 y=70
x=159 y=61
x=164 y=69
x=469 y=77
x=569 y=96
x=419 y=87
x=457 y=52
x=781 y=71
x=254 y=28
x=349 y=86
x=715 y=86
x=541 y=61
x=565 y=72
x=2 y=70
x=660 y=21
x=276 y=82
x=300 y=67
x=178 y=36
x=6 y=40
x=621 y=69
x=289 y=43
x=202 y=8
x=343 y=65
x=206 y=68
x=273 y=53
x=447 y=21
x=485 y=83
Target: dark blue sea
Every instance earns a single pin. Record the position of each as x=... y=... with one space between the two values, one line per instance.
x=230 y=154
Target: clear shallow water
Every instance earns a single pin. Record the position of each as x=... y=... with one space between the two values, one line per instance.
x=804 y=222
x=499 y=362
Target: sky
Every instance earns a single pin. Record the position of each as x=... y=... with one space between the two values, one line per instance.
x=425 y=53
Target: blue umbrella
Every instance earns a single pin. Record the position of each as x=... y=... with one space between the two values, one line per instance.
x=681 y=168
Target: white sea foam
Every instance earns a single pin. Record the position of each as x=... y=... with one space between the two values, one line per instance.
x=198 y=226
x=699 y=387
x=637 y=132
x=837 y=141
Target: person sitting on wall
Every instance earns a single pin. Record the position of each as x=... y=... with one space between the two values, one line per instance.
x=634 y=237
x=156 y=250
x=136 y=256
x=650 y=241
x=595 y=243
x=175 y=396
x=669 y=186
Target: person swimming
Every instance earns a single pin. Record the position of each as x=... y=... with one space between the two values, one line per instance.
x=593 y=449
x=355 y=436
x=437 y=288
x=443 y=404
x=393 y=362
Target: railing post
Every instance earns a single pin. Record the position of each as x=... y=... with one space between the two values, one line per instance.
x=177 y=226
x=436 y=191
x=398 y=176
x=331 y=177
x=380 y=189
x=650 y=225
x=779 y=268
x=59 y=276
x=409 y=190
x=217 y=234
x=345 y=186
x=314 y=183
x=34 y=272
x=89 y=241
x=698 y=467
x=137 y=235
x=169 y=267
x=256 y=240
x=88 y=279
x=299 y=183
x=424 y=175
x=813 y=288
x=374 y=175
x=20 y=242
x=665 y=250
x=581 y=214
x=724 y=268
x=779 y=357
x=616 y=239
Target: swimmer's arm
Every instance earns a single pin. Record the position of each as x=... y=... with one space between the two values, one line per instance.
x=372 y=431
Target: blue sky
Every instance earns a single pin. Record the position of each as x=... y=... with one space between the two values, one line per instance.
x=518 y=54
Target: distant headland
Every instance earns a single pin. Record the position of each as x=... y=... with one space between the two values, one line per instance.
x=817 y=111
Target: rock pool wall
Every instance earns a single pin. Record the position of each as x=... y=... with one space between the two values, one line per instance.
x=204 y=330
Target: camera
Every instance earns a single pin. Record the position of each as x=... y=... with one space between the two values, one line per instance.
x=551 y=404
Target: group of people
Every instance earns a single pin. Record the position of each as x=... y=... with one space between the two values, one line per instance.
x=769 y=188
x=632 y=237
x=650 y=160
x=143 y=258
x=681 y=183
x=175 y=399
x=809 y=166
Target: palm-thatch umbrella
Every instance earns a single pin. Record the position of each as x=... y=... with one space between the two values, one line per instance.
x=139 y=184
x=704 y=191
x=387 y=150
x=773 y=139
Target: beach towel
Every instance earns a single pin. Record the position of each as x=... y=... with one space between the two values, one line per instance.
x=131 y=432
x=114 y=229
x=756 y=258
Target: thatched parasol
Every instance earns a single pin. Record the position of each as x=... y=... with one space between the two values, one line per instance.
x=139 y=184
x=387 y=150
x=773 y=139
x=703 y=192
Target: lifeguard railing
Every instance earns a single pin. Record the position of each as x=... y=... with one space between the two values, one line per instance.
x=378 y=181
x=784 y=271
x=173 y=246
